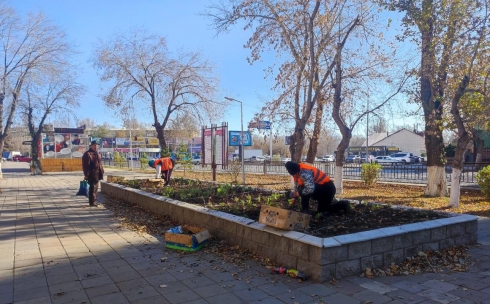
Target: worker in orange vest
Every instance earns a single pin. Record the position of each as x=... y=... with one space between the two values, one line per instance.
x=311 y=182
x=163 y=166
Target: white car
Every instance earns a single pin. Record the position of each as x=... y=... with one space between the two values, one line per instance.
x=328 y=158
x=259 y=159
x=196 y=160
x=285 y=159
x=386 y=160
x=404 y=157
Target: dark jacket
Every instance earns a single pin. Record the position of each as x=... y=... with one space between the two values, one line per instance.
x=92 y=166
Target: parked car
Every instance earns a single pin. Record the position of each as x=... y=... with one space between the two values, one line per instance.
x=404 y=157
x=259 y=159
x=353 y=159
x=20 y=158
x=386 y=160
x=285 y=159
x=328 y=158
x=369 y=160
x=417 y=159
x=196 y=160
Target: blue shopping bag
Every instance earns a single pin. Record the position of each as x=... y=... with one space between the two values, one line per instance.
x=83 y=188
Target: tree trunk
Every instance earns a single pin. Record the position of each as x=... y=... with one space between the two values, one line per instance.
x=313 y=149
x=455 y=188
x=36 y=168
x=480 y=144
x=297 y=144
x=339 y=165
x=160 y=136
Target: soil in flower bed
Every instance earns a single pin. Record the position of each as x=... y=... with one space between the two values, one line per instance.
x=247 y=201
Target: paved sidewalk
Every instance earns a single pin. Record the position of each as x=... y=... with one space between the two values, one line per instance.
x=56 y=249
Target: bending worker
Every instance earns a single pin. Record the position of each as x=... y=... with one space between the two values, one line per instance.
x=163 y=166
x=311 y=182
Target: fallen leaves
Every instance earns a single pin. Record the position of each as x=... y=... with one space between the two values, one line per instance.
x=455 y=258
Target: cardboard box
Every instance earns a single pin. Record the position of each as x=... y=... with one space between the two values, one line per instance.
x=283 y=218
x=152 y=183
x=193 y=238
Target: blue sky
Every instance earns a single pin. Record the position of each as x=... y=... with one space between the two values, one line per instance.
x=86 y=21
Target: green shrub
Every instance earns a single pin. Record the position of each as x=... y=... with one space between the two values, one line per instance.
x=370 y=173
x=483 y=180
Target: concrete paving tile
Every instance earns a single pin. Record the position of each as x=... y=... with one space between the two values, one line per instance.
x=62 y=278
x=347 y=287
x=132 y=284
x=100 y=290
x=438 y=296
x=126 y=276
x=43 y=300
x=73 y=296
x=68 y=268
x=317 y=290
x=91 y=279
x=274 y=288
x=371 y=296
x=160 y=279
x=197 y=281
x=35 y=283
x=153 y=300
x=338 y=298
x=378 y=287
x=65 y=287
x=405 y=296
x=6 y=287
x=410 y=286
x=7 y=298
x=182 y=296
x=113 y=298
x=140 y=293
x=440 y=286
x=28 y=262
x=252 y=294
x=29 y=294
x=469 y=294
x=235 y=285
x=276 y=301
x=475 y=284
x=209 y=291
x=217 y=275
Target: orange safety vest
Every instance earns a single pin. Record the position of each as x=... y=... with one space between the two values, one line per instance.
x=319 y=177
x=165 y=162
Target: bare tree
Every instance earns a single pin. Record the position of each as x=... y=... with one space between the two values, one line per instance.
x=26 y=48
x=138 y=69
x=56 y=93
x=311 y=37
x=439 y=28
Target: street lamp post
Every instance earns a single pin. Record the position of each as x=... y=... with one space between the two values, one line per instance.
x=241 y=136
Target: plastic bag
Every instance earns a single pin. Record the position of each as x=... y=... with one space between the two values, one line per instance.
x=83 y=188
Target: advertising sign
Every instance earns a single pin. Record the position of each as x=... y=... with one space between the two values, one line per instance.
x=264 y=124
x=235 y=138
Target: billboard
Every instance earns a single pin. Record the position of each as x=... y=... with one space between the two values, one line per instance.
x=235 y=140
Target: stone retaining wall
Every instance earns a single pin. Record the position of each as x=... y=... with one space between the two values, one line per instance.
x=321 y=258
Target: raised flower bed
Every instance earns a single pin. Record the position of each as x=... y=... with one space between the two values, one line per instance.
x=322 y=258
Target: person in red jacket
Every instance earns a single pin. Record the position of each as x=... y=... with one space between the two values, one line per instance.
x=311 y=182
x=93 y=171
x=164 y=165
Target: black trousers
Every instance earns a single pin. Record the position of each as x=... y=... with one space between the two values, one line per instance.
x=92 y=191
x=166 y=175
x=323 y=194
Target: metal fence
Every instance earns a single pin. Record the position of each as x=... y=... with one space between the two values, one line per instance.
x=413 y=173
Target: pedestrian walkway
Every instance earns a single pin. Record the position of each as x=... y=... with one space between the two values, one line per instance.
x=56 y=249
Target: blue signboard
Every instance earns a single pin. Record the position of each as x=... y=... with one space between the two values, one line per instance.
x=235 y=138
x=264 y=124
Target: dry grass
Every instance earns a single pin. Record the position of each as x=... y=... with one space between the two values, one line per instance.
x=471 y=202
